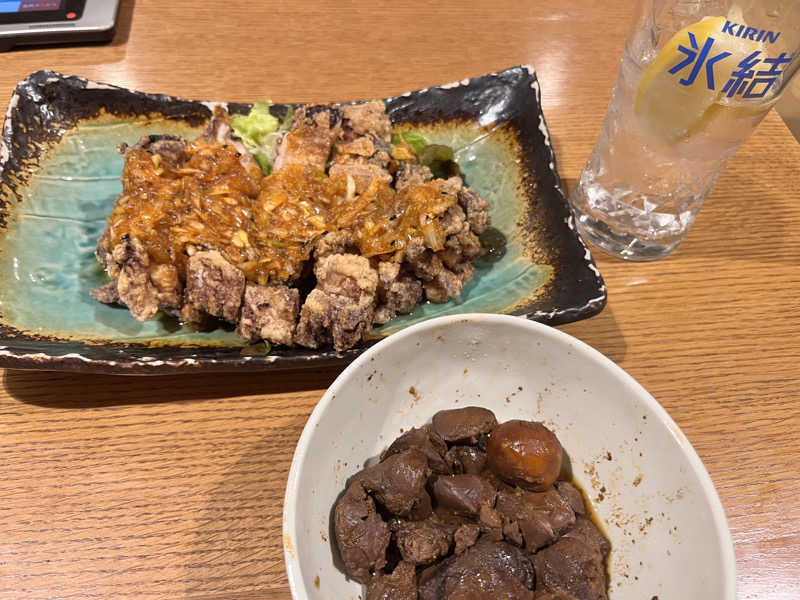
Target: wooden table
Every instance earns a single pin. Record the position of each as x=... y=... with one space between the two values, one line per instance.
x=172 y=487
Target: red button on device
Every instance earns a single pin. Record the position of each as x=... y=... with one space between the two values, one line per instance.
x=71 y=15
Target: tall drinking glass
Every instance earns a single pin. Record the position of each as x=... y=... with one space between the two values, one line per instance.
x=695 y=80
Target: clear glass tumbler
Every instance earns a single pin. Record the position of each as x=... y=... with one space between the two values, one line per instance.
x=695 y=80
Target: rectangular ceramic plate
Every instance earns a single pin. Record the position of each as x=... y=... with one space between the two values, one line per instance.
x=61 y=175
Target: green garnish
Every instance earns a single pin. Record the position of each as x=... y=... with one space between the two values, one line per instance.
x=258 y=349
x=440 y=160
x=256 y=126
x=260 y=131
x=263 y=162
x=416 y=140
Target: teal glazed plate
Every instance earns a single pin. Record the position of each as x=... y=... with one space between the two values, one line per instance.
x=60 y=175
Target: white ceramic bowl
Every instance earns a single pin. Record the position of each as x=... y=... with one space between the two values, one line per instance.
x=647 y=485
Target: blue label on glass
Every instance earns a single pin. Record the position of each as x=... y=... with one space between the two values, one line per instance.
x=746 y=80
x=750 y=33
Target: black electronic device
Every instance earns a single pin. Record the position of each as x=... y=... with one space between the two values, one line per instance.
x=25 y=22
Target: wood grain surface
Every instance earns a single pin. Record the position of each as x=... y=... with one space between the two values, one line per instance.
x=172 y=487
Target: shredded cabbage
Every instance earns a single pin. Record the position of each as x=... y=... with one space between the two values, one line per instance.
x=260 y=133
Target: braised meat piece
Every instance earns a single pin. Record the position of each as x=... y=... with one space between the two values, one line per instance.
x=309 y=141
x=269 y=313
x=464 y=494
x=575 y=564
x=465 y=537
x=466 y=459
x=573 y=496
x=486 y=571
x=213 y=285
x=553 y=595
x=540 y=516
x=340 y=308
x=398 y=482
x=422 y=542
x=512 y=532
x=466 y=534
x=463 y=425
x=491 y=523
x=361 y=535
x=423 y=508
x=400 y=584
x=587 y=532
x=425 y=440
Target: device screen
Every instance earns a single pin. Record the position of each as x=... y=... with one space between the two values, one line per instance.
x=29 y=5
x=32 y=11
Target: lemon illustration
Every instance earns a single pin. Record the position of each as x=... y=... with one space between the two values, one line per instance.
x=676 y=111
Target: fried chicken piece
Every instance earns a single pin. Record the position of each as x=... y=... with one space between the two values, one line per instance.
x=171 y=148
x=309 y=140
x=398 y=292
x=135 y=282
x=341 y=307
x=213 y=285
x=368 y=118
x=269 y=313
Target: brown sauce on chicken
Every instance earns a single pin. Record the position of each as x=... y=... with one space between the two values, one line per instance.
x=265 y=226
x=199 y=233
x=205 y=200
